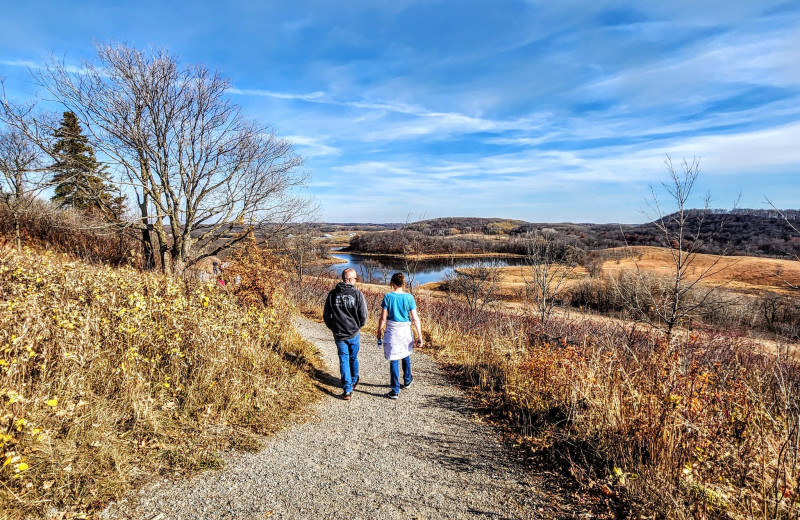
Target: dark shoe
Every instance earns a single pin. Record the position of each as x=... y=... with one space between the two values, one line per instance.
x=347 y=395
x=406 y=385
x=392 y=395
x=356 y=383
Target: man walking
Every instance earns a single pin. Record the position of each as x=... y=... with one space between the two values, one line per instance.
x=345 y=313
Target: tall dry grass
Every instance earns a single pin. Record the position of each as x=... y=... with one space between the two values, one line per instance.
x=110 y=375
x=702 y=427
x=78 y=233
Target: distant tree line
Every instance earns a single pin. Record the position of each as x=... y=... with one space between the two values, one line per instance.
x=399 y=242
x=749 y=232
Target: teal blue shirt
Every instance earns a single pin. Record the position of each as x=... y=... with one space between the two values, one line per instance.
x=399 y=306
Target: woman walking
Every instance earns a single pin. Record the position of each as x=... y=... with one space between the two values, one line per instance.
x=398 y=315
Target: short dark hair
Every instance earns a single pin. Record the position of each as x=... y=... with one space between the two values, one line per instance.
x=398 y=280
x=349 y=270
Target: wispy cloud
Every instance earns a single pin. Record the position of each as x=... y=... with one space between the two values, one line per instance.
x=19 y=63
x=547 y=110
x=314 y=97
x=311 y=147
x=444 y=119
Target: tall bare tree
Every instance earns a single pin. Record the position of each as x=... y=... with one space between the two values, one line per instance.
x=795 y=230
x=477 y=287
x=300 y=249
x=23 y=175
x=411 y=241
x=203 y=175
x=665 y=302
x=551 y=260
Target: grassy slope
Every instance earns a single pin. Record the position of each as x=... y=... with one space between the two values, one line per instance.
x=109 y=375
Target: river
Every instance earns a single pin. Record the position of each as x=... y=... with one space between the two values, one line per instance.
x=427 y=271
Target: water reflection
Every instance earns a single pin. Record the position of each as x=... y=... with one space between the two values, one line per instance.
x=427 y=271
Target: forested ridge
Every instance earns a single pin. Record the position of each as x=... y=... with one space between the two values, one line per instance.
x=749 y=232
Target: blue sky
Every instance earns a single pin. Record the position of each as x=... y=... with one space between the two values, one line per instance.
x=543 y=111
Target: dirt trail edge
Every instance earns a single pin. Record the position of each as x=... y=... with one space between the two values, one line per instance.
x=425 y=456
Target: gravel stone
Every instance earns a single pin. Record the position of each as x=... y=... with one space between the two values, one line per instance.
x=422 y=456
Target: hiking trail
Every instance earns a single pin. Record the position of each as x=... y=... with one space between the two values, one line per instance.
x=427 y=455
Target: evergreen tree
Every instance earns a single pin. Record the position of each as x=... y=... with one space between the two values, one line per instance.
x=80 y=180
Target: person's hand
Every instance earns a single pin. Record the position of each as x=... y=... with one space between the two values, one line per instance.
x=419 y=341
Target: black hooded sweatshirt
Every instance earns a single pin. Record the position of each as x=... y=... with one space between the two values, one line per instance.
x=345 y=311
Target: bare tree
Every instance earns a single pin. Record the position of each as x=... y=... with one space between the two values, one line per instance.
x=385 y=271
x=665 y=302
x=23 y=176
x=300 y=249
x=794 y=228
x=203 y=175
x=368 y=270
x=412 y=251
x=477 y=287
x=551 y=260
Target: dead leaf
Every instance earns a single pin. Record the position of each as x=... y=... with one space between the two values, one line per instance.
x=607 y=491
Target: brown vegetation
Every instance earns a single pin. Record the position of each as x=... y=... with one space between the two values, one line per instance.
x=700 y=427
x=109 y=375
x=78 y=233
x=744 y=273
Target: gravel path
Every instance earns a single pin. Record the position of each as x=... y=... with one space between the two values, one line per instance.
x=424 y=456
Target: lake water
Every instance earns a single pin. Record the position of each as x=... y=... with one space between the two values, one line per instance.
x=427 y=271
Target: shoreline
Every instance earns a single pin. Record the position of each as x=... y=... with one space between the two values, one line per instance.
x=432 y=256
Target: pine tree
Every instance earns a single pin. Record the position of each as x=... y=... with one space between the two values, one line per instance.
x=80 y=180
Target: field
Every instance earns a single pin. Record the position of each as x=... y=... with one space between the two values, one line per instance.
x=743 y=274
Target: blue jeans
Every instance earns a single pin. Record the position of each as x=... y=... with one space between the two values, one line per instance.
x=348 y=361
x=394 y=373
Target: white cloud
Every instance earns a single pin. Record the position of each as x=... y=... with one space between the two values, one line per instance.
x=19 y=63
x=314 y=97
x=312 y=146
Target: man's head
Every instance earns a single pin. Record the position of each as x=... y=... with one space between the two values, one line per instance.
x=349 y=275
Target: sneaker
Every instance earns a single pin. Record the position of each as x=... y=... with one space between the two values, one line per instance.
x=406 y=385
x=356 y=383
x=392 y=395
x=347 y=395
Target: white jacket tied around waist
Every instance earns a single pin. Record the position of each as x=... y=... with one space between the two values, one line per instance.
x=398 y=341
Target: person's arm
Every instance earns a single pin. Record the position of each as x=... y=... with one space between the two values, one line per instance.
x=382 y=322
x=326 y=313
x=363 y=311
x=417 y=326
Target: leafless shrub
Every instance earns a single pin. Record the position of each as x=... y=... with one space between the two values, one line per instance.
x=76 y=232
x=476 y=287
x=22 y=175
x=551 y=260
x=665 y=303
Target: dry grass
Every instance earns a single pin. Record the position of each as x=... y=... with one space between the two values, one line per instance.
x=703 y=427
x=77 y=233
x=700 y=428
x=740 y=273
x=108 y=375
x=745 y=273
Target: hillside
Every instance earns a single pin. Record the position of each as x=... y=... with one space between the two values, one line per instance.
x=109 y=376
x=743 y=232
